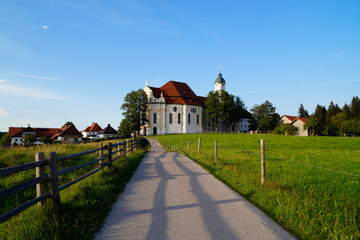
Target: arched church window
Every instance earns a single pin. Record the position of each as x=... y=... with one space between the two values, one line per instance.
x=197 y=119
x=170 y=118
x=179 y=118
x=175 y=109
x=154 y=117
x=189 y=118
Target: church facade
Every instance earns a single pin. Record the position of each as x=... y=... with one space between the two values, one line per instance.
x=175 y=108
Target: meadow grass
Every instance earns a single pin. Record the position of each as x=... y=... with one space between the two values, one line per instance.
x=83 y=205
x=312 y=183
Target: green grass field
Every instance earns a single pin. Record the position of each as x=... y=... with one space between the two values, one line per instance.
x=312 y=184
x=84 y=205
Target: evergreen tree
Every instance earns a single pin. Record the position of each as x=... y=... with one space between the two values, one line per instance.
x=316 y=122
x=302 y=112
x=331 y=112
x=354 y=112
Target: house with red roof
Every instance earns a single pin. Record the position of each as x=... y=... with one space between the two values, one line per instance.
x=17 y=134
x=67 y=134
x=298 y=122
x=175 y=108
x=92 y=132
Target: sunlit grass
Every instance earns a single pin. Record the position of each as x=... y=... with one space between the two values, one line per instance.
x=84 y=205
x=309 y=199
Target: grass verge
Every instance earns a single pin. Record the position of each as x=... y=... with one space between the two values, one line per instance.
x=83 y=208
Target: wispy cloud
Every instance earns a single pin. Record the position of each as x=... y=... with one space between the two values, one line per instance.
x=45 y=27
x=39 y=77
x=2 y=80
x=4 y=113
x=8 y=89
x=301 y=86
x=336 y=54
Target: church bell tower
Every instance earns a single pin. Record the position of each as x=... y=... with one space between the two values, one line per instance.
x=220 y=82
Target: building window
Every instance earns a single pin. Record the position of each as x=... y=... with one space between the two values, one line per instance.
x=154 y=117
x=179 y=118
x=175 y=109
x=170 y=118
x=197 y=119
x=189 y=118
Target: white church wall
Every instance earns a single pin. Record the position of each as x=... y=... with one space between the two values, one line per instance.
x=174 y=126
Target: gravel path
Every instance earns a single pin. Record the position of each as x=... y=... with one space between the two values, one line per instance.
x=171 y=197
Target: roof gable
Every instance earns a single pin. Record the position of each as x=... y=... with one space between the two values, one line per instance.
x=93 y=128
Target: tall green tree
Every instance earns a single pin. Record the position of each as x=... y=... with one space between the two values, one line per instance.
x=265 y=117
x=355 y=108
x=332 y=111
x=238 y=111
x=316 y=122
x=134 y=107
x=303 y=112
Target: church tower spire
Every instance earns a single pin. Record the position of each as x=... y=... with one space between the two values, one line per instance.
x=220 y=82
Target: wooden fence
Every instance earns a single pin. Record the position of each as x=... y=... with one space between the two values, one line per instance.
x=262 y=149
x=42 y=193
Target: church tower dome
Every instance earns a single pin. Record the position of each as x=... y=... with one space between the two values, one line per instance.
x=220 y=82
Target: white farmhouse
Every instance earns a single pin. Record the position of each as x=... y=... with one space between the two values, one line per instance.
x=298 y=122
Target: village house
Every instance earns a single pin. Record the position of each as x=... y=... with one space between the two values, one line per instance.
x=298 y=122
x=18 y=134
x=175 y=108
x=92 y=132
x=68 y=134
x=108 y=132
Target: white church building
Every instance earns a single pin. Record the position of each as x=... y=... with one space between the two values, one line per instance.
x=175 y=108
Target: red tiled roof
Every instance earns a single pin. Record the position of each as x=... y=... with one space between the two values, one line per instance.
x=93 y=128
x=178 y=93
x=156 y=91
x=47 y=132
x=293 y=118
x=303 y=119
x=65 y=129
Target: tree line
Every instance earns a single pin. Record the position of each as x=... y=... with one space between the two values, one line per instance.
x=335 y=121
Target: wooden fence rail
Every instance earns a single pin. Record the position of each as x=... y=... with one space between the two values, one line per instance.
x=41 y=178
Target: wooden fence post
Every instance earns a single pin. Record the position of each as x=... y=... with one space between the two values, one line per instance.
x=119 y=148
x=109 y=155
x=188 y=145
x=132 y=146
x=101 y=153
x=262 y=144
x=124 y=146
x=40 y=172
x=199 y=144
x=216 y=153
x=54 y=191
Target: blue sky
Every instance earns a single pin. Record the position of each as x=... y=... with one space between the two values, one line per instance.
x=75 y=61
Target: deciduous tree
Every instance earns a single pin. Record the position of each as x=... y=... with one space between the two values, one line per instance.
x=265 y=117
x=134 y=107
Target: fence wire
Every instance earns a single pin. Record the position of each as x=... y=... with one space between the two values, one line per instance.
x=293 y=161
